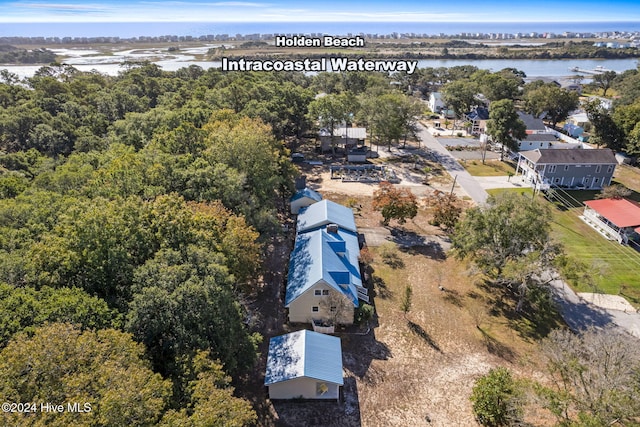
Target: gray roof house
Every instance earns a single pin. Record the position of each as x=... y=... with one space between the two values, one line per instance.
x=533 y=124
x=577 y=168
x=537 y=140
x=343 y=137
x=435 y=102
x=304 y=364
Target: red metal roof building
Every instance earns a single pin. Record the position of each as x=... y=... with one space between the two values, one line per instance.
x=618 y=219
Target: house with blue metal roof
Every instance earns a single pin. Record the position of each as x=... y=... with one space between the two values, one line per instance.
x=324 y=282
x=303 y=198
x=304 y=364
x=324 y=213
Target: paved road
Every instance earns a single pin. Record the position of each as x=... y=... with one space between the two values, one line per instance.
x=457 y=172
x=579 y=314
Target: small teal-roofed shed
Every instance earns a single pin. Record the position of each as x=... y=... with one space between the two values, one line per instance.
x=303 y=198
x=324 y=213
x=304 y=364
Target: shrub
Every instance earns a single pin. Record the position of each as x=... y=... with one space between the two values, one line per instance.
x=495 y=399
x=364 y=313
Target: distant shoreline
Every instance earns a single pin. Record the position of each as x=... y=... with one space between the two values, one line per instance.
x=249 y=30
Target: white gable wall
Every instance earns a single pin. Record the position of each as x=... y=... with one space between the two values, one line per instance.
x=301 y=309
x=305 y=387
x=300 y=203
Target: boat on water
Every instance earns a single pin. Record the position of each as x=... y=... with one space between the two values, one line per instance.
x=599 y=69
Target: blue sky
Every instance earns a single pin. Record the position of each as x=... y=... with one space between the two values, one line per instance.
x=318 y=11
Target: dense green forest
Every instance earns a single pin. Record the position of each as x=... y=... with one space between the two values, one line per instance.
x=133 y=216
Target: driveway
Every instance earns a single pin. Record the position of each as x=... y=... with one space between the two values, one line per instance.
x=491 y=182
x=580 y=314
x=451 y=165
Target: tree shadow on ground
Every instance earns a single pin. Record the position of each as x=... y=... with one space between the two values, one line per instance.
x=537 y=317
x=495 y=347
x=420 y=332
x=416 y=244
x=298 y=412
x=453 y=297
x=393 y=260
x=380 y=288
x=360 y=350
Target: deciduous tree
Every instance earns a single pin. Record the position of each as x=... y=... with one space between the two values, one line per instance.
x=595 y=377
x=394 y=203
x=331 y=111
x=604 y=80
x=606 y=131
x=60 y=364
x=212 y=401
x=504 y=125
x=550 y=102
x=508 y=228
x=446 y=209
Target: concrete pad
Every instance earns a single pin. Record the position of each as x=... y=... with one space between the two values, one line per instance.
x=609 y=302
x=490 y=182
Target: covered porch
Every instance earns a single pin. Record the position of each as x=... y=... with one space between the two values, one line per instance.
x=601 y=225
x=615 y=219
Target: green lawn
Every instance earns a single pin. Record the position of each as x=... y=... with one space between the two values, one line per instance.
x=617 y=265
x=490 y=168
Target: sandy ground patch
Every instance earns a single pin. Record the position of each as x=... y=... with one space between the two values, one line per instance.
x=321 y=181
x=609 y=302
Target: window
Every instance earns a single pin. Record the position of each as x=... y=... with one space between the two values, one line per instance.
x=321 y=389
x=595 y=181
x=333 y=309
x=552 y=169
x=610 y=169
x=317 y=292
x=598 y=168
x=557 y=180
x=325 y=292
x=314 y=309
x=566 y=167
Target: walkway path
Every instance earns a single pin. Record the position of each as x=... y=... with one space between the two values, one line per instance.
x=457 y=172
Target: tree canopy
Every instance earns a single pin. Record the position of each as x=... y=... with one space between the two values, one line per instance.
x=550 y=101
x=504 y=125
x=508 y=228
x=394 y=203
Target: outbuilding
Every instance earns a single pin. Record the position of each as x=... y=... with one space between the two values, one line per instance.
x=304 y=364
x=303 y=198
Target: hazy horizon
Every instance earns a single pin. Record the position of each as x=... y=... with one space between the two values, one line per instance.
x=491 y=11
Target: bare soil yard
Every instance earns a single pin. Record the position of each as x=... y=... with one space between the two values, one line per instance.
x=417 y=369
